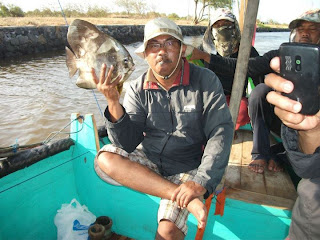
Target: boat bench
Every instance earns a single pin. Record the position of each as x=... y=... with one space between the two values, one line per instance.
x=274 y=189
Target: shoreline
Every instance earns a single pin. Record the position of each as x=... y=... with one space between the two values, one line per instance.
x=11 y=22
x=23 y=40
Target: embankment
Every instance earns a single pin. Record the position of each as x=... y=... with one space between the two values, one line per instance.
x=19 y=41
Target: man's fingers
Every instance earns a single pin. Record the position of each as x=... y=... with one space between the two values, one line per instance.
x=109 y=74
x=103 y=73
x=180 y=199
x=283 y=102
x=174 y=194
x=287 y=117
x=116 y=81
x=275 y=64
x=278 y=83
x=187 y=200
x=94 y=76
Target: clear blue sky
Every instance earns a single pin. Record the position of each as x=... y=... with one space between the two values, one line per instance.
x=282 y=11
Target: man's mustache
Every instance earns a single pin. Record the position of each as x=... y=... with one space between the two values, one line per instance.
x=163 y=60
x=305 y=39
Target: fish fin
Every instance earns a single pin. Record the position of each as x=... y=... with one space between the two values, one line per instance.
x=71 y=62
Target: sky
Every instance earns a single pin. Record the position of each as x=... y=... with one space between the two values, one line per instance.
x=281 y=11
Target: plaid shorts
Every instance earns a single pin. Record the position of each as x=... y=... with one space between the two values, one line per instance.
x=167 y=209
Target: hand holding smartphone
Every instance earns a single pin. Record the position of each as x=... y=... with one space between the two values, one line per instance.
x=300 y=63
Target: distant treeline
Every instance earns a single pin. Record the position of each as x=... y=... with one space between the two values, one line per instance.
x=74 y=11
x=11 y=11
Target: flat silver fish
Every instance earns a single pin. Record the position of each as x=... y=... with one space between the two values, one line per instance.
x=90 y=49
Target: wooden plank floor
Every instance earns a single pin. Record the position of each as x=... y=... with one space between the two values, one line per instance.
x=270 y=188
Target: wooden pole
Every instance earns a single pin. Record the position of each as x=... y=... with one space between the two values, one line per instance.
x=243 y=6
x=243 y=58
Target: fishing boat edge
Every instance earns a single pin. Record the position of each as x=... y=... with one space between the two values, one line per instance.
x=30 y=198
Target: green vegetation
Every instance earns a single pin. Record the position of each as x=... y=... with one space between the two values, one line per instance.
x=10 y=11
x=131 y=9
x=208 y=4
x=74 y=11
x=270 y=24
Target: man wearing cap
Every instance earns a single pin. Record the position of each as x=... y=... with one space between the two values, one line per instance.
x=304 y=29
x=223 y=37
x=171 y=138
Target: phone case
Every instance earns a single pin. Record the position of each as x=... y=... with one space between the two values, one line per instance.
x=300 y=63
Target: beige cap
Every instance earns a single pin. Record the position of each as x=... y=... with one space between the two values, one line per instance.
x=157 y=27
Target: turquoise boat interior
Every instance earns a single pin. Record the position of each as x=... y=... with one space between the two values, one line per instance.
x=31 y=195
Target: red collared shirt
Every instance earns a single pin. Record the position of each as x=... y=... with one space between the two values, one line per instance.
x=151 y=82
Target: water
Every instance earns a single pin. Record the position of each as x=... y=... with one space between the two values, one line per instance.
x=37 y=97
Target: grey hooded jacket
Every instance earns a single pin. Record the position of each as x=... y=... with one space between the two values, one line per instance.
x=174 y=126
x=305 y=220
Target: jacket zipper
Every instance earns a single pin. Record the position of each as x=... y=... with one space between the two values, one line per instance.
x=170 y=110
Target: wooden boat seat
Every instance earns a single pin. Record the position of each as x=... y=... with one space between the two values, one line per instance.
x=274 y=189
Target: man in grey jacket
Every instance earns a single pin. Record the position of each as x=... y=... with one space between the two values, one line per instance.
x=300 y=135
x=171 y=138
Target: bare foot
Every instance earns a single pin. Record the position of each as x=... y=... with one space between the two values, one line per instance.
x=274 y=166
x=199 y=210
x=257 y=165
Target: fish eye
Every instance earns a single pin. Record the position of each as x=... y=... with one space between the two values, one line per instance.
x=125 y=62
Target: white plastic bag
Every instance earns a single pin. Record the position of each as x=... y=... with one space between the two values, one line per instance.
x=73 y=221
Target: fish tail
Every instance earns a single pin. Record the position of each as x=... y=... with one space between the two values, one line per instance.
x=71 y=62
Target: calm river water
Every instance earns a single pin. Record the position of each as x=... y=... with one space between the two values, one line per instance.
x=37 y=97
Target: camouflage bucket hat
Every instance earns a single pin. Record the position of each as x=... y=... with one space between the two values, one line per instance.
x=223 y=14
x=310 y=16
x=157 y=27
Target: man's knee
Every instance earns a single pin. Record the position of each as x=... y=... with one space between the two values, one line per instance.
x=168 y=230
x=259 y=93
x=106 y=161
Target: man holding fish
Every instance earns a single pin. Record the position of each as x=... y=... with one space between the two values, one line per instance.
x=172 y=136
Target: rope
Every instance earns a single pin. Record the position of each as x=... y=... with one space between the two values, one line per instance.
x=65 y=19
x=48 y=139
x=39 y=174
x=95 y=97
x=16 y=147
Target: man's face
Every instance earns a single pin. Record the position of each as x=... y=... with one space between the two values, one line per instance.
x=308 y=32
x=226 y=37
x=162 y=54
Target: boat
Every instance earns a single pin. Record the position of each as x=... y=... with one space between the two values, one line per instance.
x=36 y=182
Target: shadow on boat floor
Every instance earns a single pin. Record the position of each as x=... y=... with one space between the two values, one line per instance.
x=115 y=236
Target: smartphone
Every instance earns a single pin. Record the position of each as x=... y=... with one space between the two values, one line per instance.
x=300 y=63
